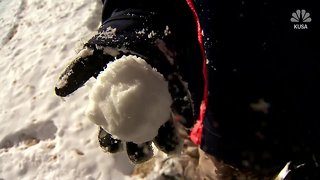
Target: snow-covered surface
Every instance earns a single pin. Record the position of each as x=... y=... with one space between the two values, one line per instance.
x=41 y=135
x=130 y=100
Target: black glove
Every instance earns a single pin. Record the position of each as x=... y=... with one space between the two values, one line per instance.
x=153 y=38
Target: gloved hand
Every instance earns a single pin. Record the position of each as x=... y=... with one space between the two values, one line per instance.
x=146 y=35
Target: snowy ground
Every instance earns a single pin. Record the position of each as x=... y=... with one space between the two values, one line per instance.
x=41 y=135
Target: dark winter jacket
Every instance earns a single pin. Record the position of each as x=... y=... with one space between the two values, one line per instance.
x=259 y=87
x=263 y=77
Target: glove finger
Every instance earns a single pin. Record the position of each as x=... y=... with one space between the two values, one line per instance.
x=108 y=143
x=167 y=139
x=182 y=103
x=88 y=63
x=139 y=153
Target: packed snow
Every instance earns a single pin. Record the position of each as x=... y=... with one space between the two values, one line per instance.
x=130 y=100
x=43 y=136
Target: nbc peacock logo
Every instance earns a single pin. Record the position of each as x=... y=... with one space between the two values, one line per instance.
x=300 y=18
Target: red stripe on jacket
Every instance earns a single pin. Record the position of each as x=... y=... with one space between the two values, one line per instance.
x=196 y=132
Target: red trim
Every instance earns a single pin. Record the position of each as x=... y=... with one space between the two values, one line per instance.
x=196 y=132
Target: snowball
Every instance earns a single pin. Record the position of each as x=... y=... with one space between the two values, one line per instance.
x=130 y=100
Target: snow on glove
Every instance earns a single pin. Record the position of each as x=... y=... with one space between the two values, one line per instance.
x=132 y=33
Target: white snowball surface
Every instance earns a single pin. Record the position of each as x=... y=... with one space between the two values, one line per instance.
x=130 y=100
